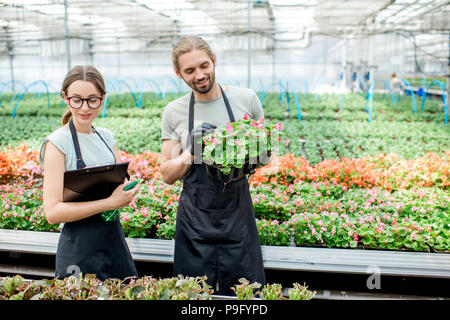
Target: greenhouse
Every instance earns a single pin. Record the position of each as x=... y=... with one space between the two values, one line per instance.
x=343 y=194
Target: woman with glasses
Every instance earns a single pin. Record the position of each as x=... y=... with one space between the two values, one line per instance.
x=87 y=243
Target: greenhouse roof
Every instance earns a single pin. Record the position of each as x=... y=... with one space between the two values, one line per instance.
x=154 y=24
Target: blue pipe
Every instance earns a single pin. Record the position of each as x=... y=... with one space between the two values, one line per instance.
x=408 y=85
x=171 y=80
x=26 y=89
x=112 y=85
x=444 y=97
x=10 y=85
x=372 y=84
x=158 y=92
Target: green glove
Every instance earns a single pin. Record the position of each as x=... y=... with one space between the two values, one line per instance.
x=111 y=215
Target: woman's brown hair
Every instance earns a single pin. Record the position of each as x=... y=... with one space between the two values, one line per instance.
x=85 y=73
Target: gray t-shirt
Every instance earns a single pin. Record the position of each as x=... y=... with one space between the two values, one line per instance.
x=175 y=119
x=93 y=149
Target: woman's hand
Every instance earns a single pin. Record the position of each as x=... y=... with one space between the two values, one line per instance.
x=121 y=199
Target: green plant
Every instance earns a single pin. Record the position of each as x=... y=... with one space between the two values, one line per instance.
x=271 y=292
x=167 y=229
x=245 y=290
x=273 y=233
x=240 y=142
x=299 y=292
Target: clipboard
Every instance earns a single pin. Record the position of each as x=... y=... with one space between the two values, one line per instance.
x=93 y=183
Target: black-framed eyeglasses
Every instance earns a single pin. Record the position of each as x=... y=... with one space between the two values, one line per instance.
x=92 y=102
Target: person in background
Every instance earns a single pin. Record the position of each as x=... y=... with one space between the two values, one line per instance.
x=216 y=232
x=87 y=243
x=355 y=83
x=396 y=84
x=368 y=80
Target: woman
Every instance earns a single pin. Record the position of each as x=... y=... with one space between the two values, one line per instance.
x=87 y=243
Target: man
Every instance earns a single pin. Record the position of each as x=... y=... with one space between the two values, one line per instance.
x=216 y=231
x=396 y=84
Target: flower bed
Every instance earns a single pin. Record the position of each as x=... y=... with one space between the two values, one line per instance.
x=384 y=171
x=372 y=203
x=88 y=287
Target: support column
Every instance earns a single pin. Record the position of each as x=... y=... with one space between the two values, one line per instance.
x=9 y=49
x=344 y=64
x=66 y=24
x=274 y=61
x=11 y=70
x=448 y=75
x=249 y=44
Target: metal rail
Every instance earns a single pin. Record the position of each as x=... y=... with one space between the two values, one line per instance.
x=331 y=260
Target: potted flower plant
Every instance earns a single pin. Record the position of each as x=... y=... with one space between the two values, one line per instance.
x=240 y=146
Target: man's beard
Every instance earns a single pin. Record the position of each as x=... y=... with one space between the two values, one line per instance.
x=206 y=89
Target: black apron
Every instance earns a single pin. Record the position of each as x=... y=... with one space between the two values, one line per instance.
x=92 y=245
x=216 y=232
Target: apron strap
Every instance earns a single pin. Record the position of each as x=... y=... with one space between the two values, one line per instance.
x=80 y=162
x=191 y=109
x=227 y=104
x=191 y=112
x=93 y=129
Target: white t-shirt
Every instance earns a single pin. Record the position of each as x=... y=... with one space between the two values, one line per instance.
x=93 y=150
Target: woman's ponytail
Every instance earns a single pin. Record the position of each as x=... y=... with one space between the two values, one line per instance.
x=66 y=117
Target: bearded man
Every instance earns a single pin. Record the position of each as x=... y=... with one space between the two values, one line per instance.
x=216 y=232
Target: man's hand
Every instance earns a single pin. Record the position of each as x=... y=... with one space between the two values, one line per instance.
x=196 y=147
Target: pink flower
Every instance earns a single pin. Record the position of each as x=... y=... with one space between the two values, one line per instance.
x=278 y=126
x=333 y=231
x=313 y=231
x=413 y=236
x=229 y=127
x=246 y=117
x=286 y=142
x=126 y=218
x=144 y=211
